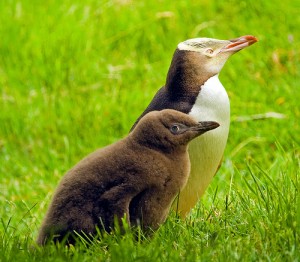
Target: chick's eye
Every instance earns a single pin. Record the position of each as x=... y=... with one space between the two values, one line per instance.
x=175 y=129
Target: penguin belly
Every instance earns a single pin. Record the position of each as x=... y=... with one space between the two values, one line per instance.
x=206 y=151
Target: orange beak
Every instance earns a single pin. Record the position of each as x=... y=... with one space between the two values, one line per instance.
x=240 y=43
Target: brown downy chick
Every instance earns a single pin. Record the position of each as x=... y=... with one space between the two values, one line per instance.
x=137 y=177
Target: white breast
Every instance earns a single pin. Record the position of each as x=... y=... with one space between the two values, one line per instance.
x=212 y=104
x=206 y=151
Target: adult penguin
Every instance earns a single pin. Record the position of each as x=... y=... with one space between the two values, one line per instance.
x=193 y=87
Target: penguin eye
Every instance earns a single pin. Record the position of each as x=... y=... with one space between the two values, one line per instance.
x=175 y=129
x=209 y=51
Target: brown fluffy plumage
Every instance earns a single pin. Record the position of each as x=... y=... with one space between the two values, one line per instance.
x=137 y=177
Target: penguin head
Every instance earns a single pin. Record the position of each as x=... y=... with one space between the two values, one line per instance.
x=169 y=129
x=213 y=53
x=182 y=128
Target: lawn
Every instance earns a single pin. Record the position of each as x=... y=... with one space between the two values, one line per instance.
x=75 y=75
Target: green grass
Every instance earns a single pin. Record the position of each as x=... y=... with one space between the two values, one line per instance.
x=74 y=76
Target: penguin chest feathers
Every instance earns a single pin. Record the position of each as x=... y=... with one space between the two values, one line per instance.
x=212 y=104
x=206 y=151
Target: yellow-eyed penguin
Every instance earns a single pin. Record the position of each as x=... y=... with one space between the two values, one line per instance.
x=193 y=87
x=137 y=178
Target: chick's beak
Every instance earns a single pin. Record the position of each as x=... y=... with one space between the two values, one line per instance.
x=239 y=43
x=205 y=126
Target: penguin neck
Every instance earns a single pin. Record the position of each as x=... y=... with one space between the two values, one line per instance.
x=186 y=76
x=162 y=145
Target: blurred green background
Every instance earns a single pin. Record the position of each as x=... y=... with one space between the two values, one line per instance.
x=75 y=75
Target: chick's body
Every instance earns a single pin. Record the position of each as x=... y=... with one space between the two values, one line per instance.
x=137 y=177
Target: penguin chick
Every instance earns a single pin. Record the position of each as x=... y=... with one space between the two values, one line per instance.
x=137 y=178
x=193 y=87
